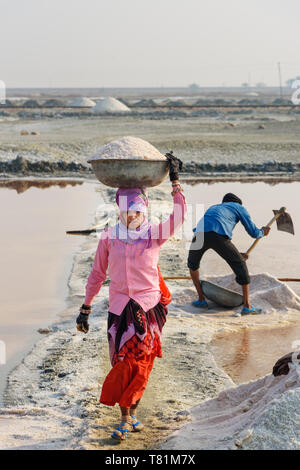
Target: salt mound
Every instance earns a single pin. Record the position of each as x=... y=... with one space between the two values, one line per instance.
x=266 y=291
x=82 y=103
x=128 y=147
x=263 y=414
x=110 y=105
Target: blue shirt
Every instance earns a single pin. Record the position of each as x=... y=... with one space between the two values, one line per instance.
x=222 y=218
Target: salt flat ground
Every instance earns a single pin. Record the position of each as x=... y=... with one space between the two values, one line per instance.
x=205 y=139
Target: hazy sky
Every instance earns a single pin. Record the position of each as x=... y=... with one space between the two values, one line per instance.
x=130 y=43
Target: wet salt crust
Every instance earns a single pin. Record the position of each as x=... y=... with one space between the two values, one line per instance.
x=128 y=148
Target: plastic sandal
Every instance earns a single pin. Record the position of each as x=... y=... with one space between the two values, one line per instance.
x=120 y=433
x=200 y=304
x=251 y=311
x=138 y=426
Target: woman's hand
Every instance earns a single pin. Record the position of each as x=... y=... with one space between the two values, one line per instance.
x=175 y=165
x=82 y=319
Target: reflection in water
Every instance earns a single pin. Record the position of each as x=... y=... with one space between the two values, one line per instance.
x=249 y=353
x=37 y=256
x=22 y=185
x=242 y=349
x=271 y=181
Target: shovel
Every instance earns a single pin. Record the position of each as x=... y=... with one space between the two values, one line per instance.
x=284 y=223
x=228 y=298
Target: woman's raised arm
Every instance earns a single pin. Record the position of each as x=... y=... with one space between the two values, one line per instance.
x=163 y=231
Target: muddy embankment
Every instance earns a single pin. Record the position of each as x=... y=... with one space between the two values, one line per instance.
x=21 y=166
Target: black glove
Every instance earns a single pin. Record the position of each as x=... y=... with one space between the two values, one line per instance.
x=82 y=319
x=175 y=166
x=282 y=365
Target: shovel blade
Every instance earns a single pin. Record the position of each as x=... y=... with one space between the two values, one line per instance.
x=284 y=222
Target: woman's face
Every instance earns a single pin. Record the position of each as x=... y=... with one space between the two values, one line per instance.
x=132 y=219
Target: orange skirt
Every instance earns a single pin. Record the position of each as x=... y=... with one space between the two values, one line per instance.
x=134 y=339
x=127 y=380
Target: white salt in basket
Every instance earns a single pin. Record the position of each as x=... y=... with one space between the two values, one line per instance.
x=129 y=162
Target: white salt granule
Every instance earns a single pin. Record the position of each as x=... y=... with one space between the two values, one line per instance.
x=128 y=148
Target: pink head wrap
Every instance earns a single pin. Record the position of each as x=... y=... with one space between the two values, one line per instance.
x=135 y=199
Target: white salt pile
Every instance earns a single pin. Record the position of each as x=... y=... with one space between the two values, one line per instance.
x=128 y=147
x=265 y=290
x=263 y=414
x=110 y=105
x=82 y=103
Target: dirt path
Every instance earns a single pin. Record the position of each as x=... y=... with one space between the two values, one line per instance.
x=183 y=377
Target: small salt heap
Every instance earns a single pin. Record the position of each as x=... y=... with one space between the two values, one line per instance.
x=110 y=105
x=128 y=148
x=82 y=103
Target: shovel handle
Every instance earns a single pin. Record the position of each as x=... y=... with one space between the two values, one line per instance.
x=281 y=211
x=188 y=278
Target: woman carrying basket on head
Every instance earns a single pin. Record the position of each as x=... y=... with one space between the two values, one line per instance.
x=137 y=296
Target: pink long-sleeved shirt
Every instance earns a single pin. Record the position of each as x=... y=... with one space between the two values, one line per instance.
x=132 y=268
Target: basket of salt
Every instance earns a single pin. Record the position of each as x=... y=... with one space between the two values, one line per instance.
x=129 y=162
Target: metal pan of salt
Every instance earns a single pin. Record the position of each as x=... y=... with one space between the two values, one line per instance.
x=129 y=162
